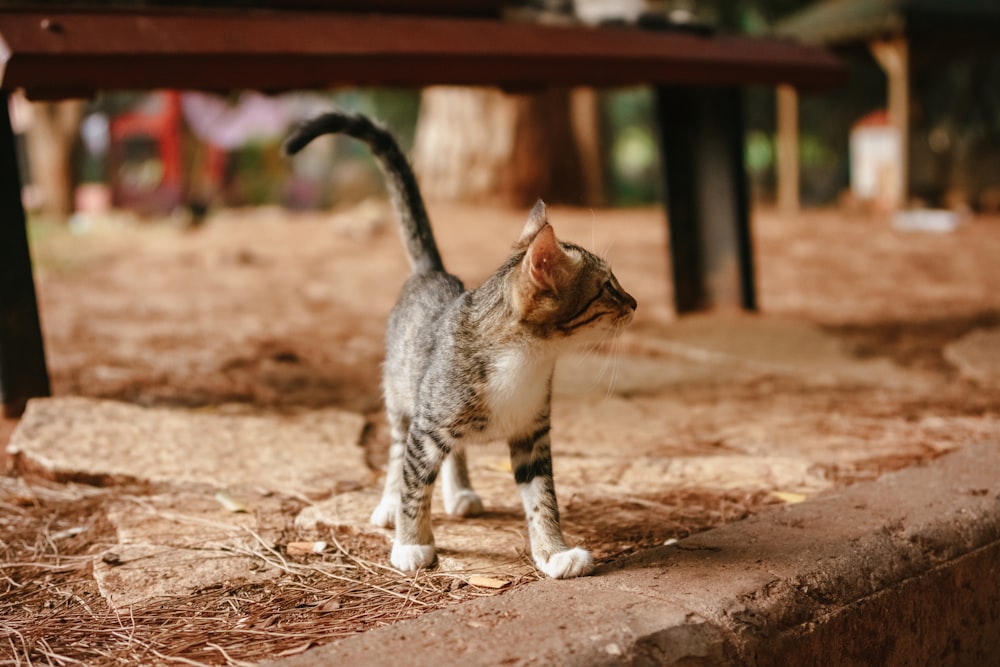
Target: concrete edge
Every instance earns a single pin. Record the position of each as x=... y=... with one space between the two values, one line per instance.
x=885 y=571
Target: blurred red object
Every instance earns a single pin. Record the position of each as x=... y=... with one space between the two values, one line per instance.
x=145 y=163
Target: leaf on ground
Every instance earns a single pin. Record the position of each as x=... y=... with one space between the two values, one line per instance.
x=487 y=582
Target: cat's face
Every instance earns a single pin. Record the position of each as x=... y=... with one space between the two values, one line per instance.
x=562 y=290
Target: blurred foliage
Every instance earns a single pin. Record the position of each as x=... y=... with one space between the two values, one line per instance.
x=752 y=17
x=633 y=173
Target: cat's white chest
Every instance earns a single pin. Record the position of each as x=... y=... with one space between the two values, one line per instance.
x=517 y=391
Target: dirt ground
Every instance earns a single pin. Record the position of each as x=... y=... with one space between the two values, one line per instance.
x=282 y=312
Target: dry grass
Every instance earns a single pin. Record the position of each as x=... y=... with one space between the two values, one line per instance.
x=51 y=611
x=628 y=524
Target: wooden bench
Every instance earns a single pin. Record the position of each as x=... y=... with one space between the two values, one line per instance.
x=698 y=81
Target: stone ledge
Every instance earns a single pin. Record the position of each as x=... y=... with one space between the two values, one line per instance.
x=898 y=571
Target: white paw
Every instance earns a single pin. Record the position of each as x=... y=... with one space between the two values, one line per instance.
x=384 y=515
x=412 y=557
x=464 y=503
x=567 y=564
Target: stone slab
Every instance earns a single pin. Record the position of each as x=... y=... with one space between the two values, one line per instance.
x=496 y=546
x=881 y=565
x=178 y=543
x=977 y=356
x=496 y=543
x=141 y=573
x=311 y=454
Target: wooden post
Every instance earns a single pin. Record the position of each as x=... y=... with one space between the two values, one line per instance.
x=585 y=118
x=788 y=149
x=893 y=57
x=701 y=148
x=23 y=373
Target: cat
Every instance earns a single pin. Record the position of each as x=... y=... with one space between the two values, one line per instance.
x=465 y=366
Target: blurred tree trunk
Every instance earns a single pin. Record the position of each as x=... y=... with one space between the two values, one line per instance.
x=50 y=138
x=480 y=144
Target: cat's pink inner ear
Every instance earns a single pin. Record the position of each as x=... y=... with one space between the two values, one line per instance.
x=537 y=219
x=542 y=260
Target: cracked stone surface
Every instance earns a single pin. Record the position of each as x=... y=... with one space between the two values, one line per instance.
x=308 y=454
x=802 y=585
x=183 y=540
x=177 y=543
x=497 y=543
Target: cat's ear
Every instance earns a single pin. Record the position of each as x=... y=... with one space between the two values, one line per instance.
x=543 y=259
x=537 y=219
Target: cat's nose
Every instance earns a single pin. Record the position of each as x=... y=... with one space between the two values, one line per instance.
x=630 y=300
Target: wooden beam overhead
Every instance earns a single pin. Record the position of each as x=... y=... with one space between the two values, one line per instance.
x=66 y=53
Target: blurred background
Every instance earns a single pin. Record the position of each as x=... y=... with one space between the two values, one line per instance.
x=864 y=145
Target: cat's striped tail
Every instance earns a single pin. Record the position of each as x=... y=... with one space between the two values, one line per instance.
x=403 y=188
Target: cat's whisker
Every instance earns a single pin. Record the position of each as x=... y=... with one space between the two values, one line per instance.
x=609 y=362
x=615 y=339
x=593 y=229
x=590 y=349
x=607 y=249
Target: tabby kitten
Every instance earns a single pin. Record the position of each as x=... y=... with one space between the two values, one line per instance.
x=466 y=366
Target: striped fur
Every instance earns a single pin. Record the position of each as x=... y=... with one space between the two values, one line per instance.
x=465 y=366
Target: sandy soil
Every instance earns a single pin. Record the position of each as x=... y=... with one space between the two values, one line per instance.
x=282 y=310
x=285 y=311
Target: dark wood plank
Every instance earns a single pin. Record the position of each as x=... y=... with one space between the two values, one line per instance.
x=51 y=52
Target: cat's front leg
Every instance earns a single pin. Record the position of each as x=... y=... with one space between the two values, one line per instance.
x=413 y=547
x=459 y=498
x=384 y=515
x=531 y=460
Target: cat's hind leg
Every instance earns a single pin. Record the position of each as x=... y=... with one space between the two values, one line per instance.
x=459 y=498
x=531 y=460
x=384 y=515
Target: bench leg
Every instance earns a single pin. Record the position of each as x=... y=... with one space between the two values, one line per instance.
x=23 y=373
x=701 y=148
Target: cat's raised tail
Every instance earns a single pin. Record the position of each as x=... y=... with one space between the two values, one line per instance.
x=403 y=188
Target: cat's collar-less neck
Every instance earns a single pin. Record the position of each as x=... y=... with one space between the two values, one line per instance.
x=539 y=351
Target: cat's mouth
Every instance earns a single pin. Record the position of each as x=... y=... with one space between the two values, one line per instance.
x=624 y=317
x=626 y=313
